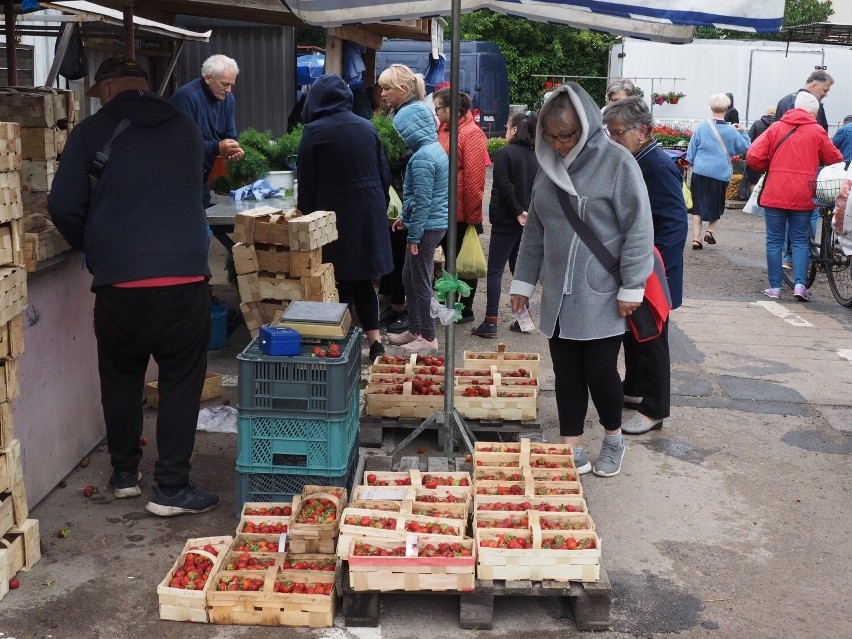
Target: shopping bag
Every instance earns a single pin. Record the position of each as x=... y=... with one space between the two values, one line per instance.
x=394 y=206
x=687 y=196
x=470 y=262
x=751 y=206
x=646 y=322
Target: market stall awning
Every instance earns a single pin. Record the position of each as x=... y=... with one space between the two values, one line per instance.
x=821 y=33
x=663 y=20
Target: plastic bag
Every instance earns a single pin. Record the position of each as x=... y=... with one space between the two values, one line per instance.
x=829 y=180
x=470 y=263
x=394 y=206
x=751 y=206
x=220 y=419
x=444 y=315
x=687 y=196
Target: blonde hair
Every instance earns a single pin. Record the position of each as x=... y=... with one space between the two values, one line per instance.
x=770 y=111
x=401 y=77
x=719 y=103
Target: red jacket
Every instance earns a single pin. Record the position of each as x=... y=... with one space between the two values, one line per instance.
x=473 y=156
x=791 y=172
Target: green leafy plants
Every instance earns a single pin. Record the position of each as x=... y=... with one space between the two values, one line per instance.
x=284 y=150
x=391 y=142
x=494 y=145
x=252 y=166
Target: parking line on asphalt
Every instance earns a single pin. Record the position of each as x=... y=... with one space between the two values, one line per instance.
x=781 y=312
x=845 y=353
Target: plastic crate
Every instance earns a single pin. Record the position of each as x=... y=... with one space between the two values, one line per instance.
x=281 y=487
x=286 y=443
x=315 y=386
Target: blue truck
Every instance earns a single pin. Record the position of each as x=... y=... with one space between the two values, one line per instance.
x=482 y=75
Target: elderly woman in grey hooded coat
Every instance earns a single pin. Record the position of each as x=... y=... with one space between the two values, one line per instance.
x=584 y=306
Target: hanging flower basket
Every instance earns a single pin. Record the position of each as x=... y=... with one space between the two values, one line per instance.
x=658 y=98
x=673 y=97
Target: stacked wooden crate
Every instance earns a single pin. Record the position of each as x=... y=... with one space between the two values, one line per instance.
x=19 y=536
x=278 y=258
x=45 y=116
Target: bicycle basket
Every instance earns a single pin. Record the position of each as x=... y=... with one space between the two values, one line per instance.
x=825 y=191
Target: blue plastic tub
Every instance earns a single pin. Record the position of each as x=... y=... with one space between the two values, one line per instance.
x=270 y=442
x=218 y=325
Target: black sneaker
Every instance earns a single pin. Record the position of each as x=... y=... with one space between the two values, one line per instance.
x=486 y=329
x=376 y=350
x=400 y=325
x=125 y=484
x=187 y=501
x=389 y=316
x=515 y=326
x=467 y=316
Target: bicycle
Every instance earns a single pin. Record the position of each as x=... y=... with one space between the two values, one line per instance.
x=826 y=255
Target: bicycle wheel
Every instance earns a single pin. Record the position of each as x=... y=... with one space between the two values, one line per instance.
x=814 y=252
x=839 y=273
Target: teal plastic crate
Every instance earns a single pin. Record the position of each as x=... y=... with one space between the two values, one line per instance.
x=266 y=487
x=317 y=387
x=271 y=442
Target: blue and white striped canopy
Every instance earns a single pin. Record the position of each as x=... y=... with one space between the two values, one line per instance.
x=665 y=20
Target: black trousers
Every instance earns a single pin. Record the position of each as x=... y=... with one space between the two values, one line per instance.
x=391 y=284
x=502 y=248
x=648 y=373
x=581 y=368
x=362 y=296
x=172 y=325
x=461 y=227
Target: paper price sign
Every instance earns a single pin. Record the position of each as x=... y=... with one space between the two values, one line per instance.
x=282 y=542
x=411 y=543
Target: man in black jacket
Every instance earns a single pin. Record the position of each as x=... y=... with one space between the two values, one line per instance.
x=818 y=84
x=143 y=230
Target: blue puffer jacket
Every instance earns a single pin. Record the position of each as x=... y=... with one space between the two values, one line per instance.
x=427 y=176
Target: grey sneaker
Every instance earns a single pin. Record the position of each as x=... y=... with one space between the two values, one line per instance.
x=188 y=501
x=125 y=484
x=609 y=461
x=581 y=460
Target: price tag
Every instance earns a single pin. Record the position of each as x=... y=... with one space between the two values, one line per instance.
x=390 y=494
x=411 y=542
x=282 y=542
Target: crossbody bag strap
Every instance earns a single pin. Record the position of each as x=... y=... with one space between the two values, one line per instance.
x=102 y=156
x=771 y=157
x=587 y=235
x=719 y=138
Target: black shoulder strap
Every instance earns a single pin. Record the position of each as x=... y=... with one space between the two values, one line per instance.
x=102 y=156
x=587 y=235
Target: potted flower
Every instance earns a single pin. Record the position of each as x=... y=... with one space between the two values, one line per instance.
x=673 y=97
x=658 y=98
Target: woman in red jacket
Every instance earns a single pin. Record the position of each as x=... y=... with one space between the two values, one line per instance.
x=790 y=151
x=473 y=154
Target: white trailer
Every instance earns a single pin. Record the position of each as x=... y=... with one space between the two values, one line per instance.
x=757 y=72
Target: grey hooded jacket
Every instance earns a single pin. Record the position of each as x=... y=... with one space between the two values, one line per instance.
x=605 y=184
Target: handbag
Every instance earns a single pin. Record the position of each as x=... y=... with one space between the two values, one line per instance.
x=646 y=322
x=766 y=175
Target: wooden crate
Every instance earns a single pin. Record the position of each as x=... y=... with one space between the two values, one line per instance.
x=400 y=405
x=11 y=466
x=12 y=341
x=263 y=519
x=503 y=360
x=499 y=473
x=454 y=511
x=268 y=286
x=348 y=532
x=32 y=202
x=388 y=480
x=536 y=563
x=254 y=505
x=9 y=386
x=557 y=488
x=10 y=142
x=7 y=513
x=547 y=448
x=11 y=200
x=212 y=388
x=499 y=460
x=28 y=533
x=42 y=240
x=270 y=608
x=554 y=474
x=320 y=287
x=504 y=488
x=383 y=493
x=13 y=292
x=305 y=263
x=521 y=406
x=312 y=231
x=7 y=425
x=455 y=529
x=20 y=508
x=12 y=243
x=37 y=175
x=258 y=313
x=316 y=538
x=14 y=552
x=42 y=143
x=380 y=573
x=178 y=604
x=551 y=461
x=263 y=225
x=561 y=521
x=323 y=563
x=30 y=106
x=545 y=504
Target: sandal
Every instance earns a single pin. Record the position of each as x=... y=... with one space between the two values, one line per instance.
x=696 y=245
x=708 y=237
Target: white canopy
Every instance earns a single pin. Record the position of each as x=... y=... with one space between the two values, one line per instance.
x=662 y=20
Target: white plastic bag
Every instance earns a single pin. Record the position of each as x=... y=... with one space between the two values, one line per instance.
x=829 y=180
x=445 y=315
x=751 y=206
x=219 y=419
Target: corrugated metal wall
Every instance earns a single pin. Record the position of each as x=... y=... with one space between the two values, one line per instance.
x=265 y=88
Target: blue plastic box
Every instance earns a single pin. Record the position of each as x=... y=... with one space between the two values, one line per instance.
x=279 y=340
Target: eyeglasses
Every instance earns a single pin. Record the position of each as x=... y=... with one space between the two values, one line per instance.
x=564 y=139
x=446 y=106
x=619 y=134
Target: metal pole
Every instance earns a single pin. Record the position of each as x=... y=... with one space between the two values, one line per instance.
x=11 y=45
x=129 y=32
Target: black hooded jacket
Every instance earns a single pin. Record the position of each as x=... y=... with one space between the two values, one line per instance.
x=145 y=218
x=342 y=168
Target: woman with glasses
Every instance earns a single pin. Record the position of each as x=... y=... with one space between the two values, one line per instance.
x=584 y=306
x=473 y=156
x=618 y=90
x=647 y=380
x=714 y=142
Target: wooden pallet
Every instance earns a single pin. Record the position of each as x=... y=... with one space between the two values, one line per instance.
x=589 y=602
x=372 y=428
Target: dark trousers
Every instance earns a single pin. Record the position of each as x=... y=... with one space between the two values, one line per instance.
x=461 y=227
x=417 y=275
x=362 y=296
x=172 y=325
x=581 y=368
x=648 y=373
x=502 y=248
x=391 y=284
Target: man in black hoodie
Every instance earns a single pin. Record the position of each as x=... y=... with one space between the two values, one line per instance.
x=143 y=230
